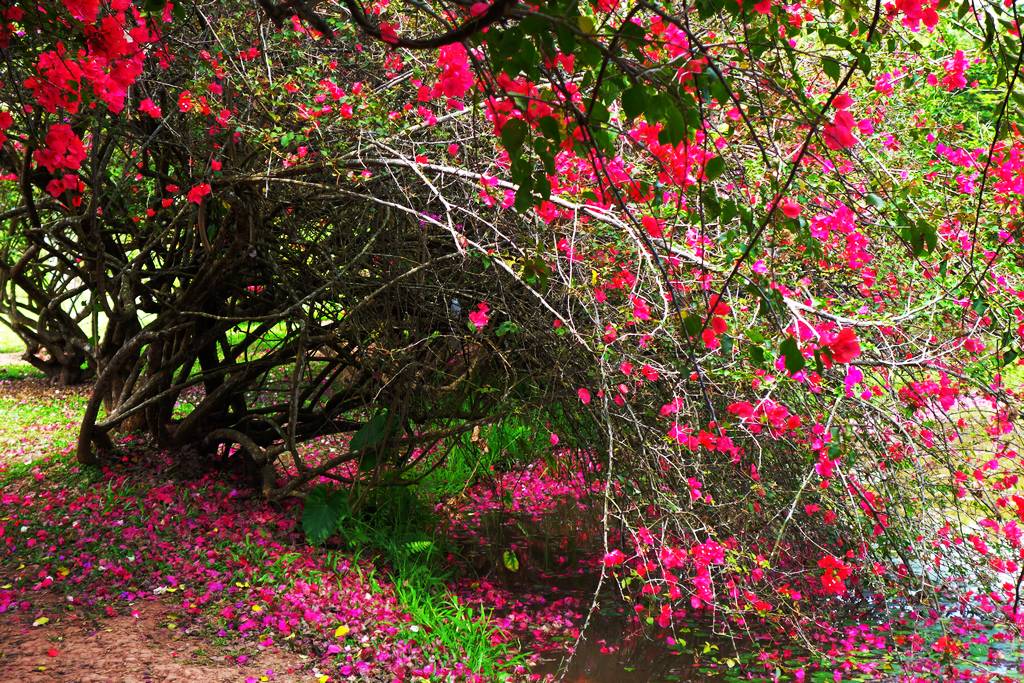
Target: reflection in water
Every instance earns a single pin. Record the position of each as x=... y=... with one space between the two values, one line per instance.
x=529 y=552
x=557 y=553
x=612 y=653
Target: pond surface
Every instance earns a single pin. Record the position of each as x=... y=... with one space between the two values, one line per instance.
x=555 y=564
x=537 y=567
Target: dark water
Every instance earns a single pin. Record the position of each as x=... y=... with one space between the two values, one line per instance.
x=636 y=658
x=557 y=555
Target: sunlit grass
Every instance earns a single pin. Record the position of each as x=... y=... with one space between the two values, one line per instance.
x=9 y=342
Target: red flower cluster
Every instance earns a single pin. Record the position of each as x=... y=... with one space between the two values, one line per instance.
x=200 y=191
x=839 y=134
x=6 y=121
x=955 y=69
x=836 y=572
x=844 y=348
x=63 y=149
x=718 y=324
x=456 y=76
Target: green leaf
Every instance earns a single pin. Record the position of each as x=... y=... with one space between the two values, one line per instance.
x=506 y=327
x=632 y=35
x=831 y=67
x=549 y=126
x=929 y=234
x=513 y=134
x=922 y=237
x=714 y=167
x=875 y=201
x=794 y=360
x=566 y=38
x=511 y=562
x=524 y=198
x=323 y=508
x=418 y=547
x=371 y=434
x=693 y=324
x=676 y=129
x=864 y=63
x=634 y=102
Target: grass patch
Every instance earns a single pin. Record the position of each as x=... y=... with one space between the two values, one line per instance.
x=9 y=342
x=38 y=419
x=393 y=526
x=19 y=371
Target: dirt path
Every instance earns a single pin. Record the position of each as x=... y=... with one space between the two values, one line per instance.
x=129 y=649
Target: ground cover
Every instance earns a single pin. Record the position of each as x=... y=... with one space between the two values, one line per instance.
x=195 y=575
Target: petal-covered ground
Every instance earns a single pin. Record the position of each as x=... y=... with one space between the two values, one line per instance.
x=136 y=572
x=233 y=566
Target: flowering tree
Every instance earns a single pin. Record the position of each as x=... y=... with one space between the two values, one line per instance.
x=748 y=248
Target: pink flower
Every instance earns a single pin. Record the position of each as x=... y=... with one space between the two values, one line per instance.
x=672 y=407
x=790 y=207
x=185 y=101
x=653 y=226
x=58 y=81
x=853 y=377
x=825 y=466
x=845 y=347
x=641 y=309
x=62 y=149
x=584 y=396
x=388 y=32
x=58 y=186
x=842 y=101
x=917 y=12
x=197 y=193
x=838 y=134
x=85 y=11
x=456 y=76
x=974 y=345
x=148 y=106
x=614 y=558
x=480 y=317
x=955 y=68
x=836 y=572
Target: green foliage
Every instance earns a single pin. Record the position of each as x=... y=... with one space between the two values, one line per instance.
x=794 y=360
x=393 y=526
x=323 y=511
x=473 y=456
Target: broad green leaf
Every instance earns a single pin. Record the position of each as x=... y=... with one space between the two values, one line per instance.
x=832 y=69
x=634 y=102
x=513 y=134
x=371 y=434
x=511 y=562
x=714 y=167
x=794 y=360
x=323 y=508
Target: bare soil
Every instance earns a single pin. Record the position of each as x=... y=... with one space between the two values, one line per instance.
x=129 y=649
